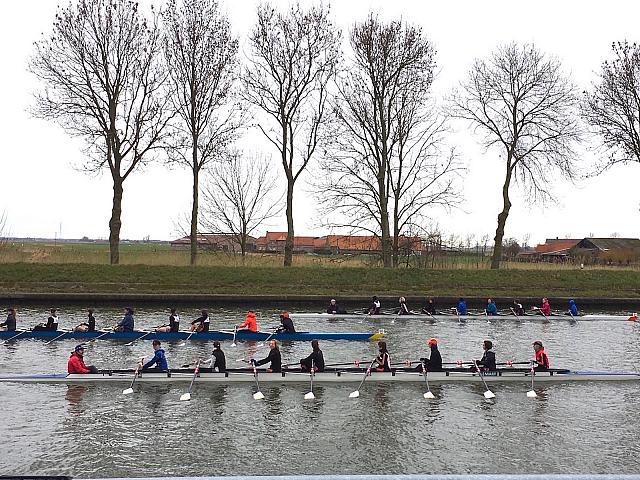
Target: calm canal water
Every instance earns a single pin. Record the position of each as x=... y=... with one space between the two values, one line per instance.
x=95 y=431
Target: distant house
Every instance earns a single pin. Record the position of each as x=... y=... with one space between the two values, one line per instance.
x=335 y=244
x=589 y=250
x=225 y=242
x=555 y=248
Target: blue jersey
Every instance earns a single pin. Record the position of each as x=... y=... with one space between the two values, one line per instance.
x=159 y=360
x=573 y=308
x=127 y=323
x=492 y=309
x=462 y=307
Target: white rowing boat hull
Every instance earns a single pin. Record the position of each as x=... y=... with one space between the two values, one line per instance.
x=472 y=317
x=328 y=377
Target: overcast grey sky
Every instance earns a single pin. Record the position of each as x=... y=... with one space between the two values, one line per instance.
x=44 y=195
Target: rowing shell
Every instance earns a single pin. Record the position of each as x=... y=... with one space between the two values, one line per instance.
x=202 y=336
x=334 y=376
x=471 y=317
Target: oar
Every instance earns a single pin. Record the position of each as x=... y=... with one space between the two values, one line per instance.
x=235 y=330
x=56 y=338
x=269 y=337
x=428 y=393
x=99 y=336
x=541 y=312
x=310 y=395
x=129 y=390
x=514 y=313
x=136 y=339
x=532 y=393
x=573 y=319
x=15 y=336
x=258 y=395
x=356 y=393
x=488 y=393
x=186 y=339
x=187 y=396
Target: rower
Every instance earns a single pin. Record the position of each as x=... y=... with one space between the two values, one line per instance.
x=403 y=310
x=383 y=360
x=541 y=361
x=158 y=359
x=434 y=362
x=488 y=361
x=218 y=361
x=492 y=308
x=174 y=323
x=518 y=309
x=286 y=324
x=201 y=324
x=274 y=357
x=52 y=322
x=573 y=308
x=333 y=307
x=89 y=325
x=76 y=362
x=250 y=323
x=126 y=324
x=462 y=307
x=546 y=307
x=374 y=309
x=315 y=359
x=9 y=325
x=430 y=307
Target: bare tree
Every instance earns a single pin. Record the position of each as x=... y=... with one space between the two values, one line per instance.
x=521 y=102
x=384 y=170
x=238 y=197
x=294 y=57
x=201 y=55
x=612 y=109
x=103 y=83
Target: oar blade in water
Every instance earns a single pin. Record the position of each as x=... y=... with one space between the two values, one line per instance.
x=185 y=397
x=355 y=394
x=127 y=391
x=309 y=396
x=489 y=394
x=532 y=394
x=258 y=396
x=428 y=395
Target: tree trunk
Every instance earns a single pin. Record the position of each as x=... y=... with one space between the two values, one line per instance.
x=396 y=235
x=115 y=223
x=288 y=245
x=502 y=220
x=194 y=211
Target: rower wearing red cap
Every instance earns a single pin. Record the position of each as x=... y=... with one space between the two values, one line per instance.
x=434 y=362
x=541 y=362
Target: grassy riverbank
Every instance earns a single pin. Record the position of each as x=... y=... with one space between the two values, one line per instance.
x=345 y=281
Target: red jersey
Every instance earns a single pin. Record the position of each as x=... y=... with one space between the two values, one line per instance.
x=250 y=322
x=541 y=358
x=76 y=364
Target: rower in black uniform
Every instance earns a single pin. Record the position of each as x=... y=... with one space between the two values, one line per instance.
x=273 y=357
x=52 y=322
x=430 y=307
x=488 y=361
x=383 y=360
x=374 y=309
x=218 y=361
x=201 y=324
x=286 y=324
x=434 y=362
x=89 y=325
x=9 y=325
x=316 y=358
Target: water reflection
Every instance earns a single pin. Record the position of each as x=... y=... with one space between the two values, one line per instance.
x=74 y=396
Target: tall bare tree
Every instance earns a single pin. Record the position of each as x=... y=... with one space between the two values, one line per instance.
x=201 y=55
x=294 y=57
x=384 y=170
x=103 y=83
x=612 y=108
x=520 y=101
x=238 y=197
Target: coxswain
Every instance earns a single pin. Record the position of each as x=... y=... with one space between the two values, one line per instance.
x=434 y=362
x=173 y=325
x=52 y=322
x=286 y=324
x=573 y=308
x=9 y=325
x=430 y=307
x=541 y=360
x=274 y=358
x=201 y=324
x=403 y=310
x=333 y=307
x=250 y=323
x=158 y=360
x=374 y=308
x=488 y=361
x=315 y=359
x=492 y=308
x=546 y=307
x=126 y=324
x=383 y=360
x=89 y=325
x=461 y=309
x=517 y=308
x=76 y=362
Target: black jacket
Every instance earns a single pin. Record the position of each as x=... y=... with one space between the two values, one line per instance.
x=317 y=358
x=219 y=362
x=92 y=323
x=287 y=325
x=434 y=362
x=488 y=360
x=10 y=322
x=174 y=325
x=275 y=359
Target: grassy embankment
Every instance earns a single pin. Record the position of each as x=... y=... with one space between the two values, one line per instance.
x=154 y=268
